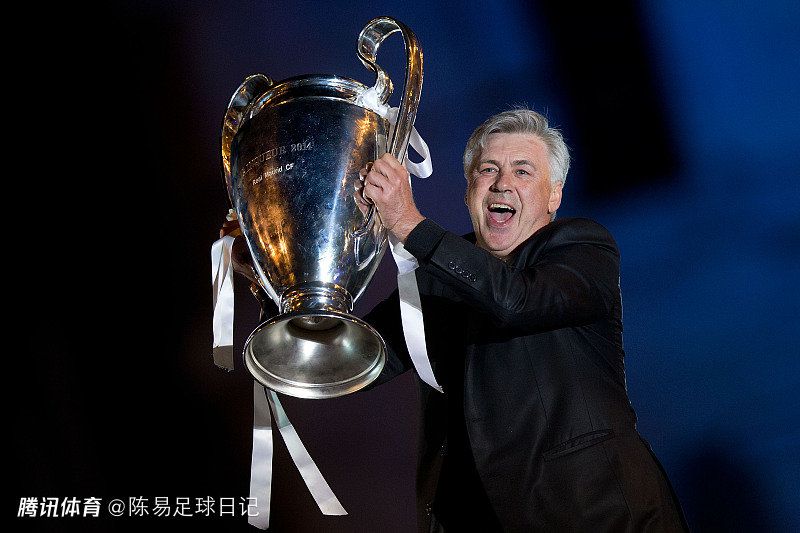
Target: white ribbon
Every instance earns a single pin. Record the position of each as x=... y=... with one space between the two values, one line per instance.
x=222 y=283
x=424 y=168
x=264 y=401
x=410 y=304
x=261 y=462
x=411 y=312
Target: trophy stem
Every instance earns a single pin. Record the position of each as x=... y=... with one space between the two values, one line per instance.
x=305 y=299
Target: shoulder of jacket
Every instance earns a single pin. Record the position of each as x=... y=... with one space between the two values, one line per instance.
x=577 y=231
x=578 y=225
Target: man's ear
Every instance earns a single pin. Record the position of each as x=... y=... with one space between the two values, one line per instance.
x=555 y=197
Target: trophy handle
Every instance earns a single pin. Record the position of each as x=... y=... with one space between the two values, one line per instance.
x=250 y=89
x=369 y=41
x=364 y=256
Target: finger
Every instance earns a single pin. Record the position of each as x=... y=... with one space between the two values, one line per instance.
x=392 y=169
x=383 y=164
x=369 y=185
x=371 y=191
x=389 y=159
x=399 y=169
x=377 y=178
x=230 y=227
x=380 y=175
x=359 y=195
x=393 y=162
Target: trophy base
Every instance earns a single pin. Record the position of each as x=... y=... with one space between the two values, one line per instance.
x=315 y=354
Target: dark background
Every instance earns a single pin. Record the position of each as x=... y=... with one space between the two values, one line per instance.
x=684 y=123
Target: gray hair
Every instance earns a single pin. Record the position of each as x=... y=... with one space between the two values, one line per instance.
x=520 y=120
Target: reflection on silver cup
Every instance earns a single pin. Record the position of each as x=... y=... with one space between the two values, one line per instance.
x=291 y=154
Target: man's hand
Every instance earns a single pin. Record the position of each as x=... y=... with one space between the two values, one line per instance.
x=387 y=185
x=240 y=255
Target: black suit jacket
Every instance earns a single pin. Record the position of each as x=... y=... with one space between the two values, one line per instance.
x=537 y=341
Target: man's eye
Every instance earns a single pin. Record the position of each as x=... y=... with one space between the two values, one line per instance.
x=487 y=170
x=522 y=171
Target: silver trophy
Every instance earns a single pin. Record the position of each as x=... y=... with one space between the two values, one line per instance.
x=291 y=154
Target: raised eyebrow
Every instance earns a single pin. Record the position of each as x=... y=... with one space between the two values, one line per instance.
x=492 y=161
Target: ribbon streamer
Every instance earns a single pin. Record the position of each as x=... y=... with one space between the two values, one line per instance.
x=424 y=168
x=411 y=312
x=222 y=283
x=264 y=401
x=261 y=462
x=410 y=304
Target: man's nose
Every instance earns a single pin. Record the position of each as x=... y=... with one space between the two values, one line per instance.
x=502 y=182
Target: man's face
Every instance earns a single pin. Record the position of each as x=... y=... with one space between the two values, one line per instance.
x=509 y=195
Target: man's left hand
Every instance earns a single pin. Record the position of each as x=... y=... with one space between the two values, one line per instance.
x=387 y=185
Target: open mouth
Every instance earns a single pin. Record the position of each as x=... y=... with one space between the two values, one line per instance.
x=500 y=213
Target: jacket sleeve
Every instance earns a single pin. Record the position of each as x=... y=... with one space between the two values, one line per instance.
x=571 y=280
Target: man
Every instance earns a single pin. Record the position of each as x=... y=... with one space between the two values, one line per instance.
x=523 y=321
